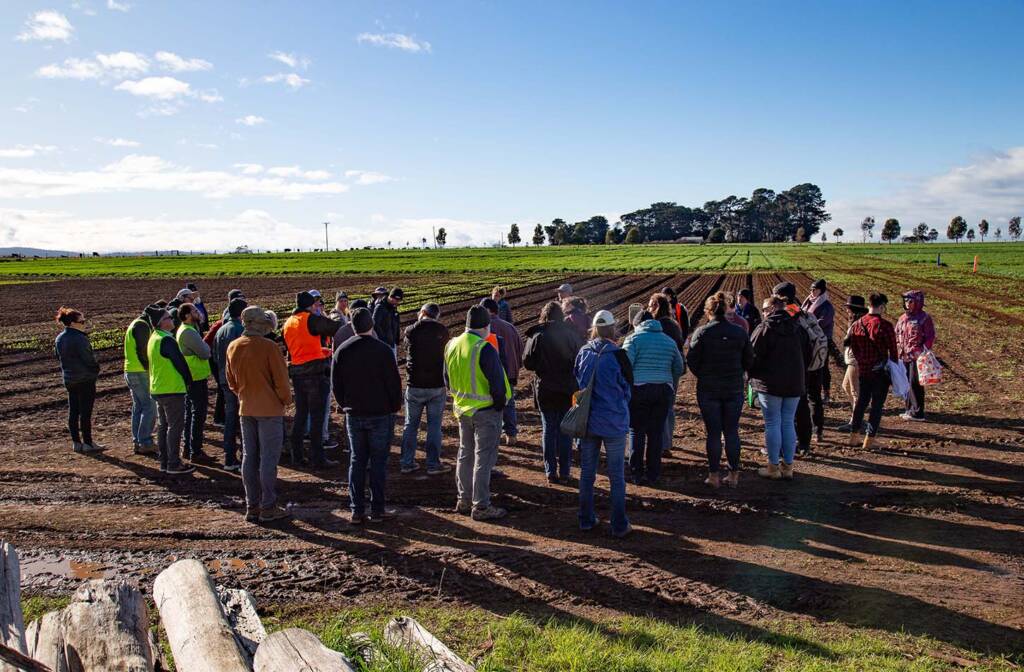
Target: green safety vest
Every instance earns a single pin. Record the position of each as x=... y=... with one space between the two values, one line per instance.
x=469 y=386
x=199 y=367
x=163 y=377
x=132 y=364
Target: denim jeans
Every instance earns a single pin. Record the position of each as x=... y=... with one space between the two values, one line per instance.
x=197 y=403
x=478 y=452
x=310 y=394
x=171 y=409
x=218 y=404
x=509 y=422
x=873 y=392
x=327 y=413
x=231 y=424
x=779 y=426
x=143 y=408
x=648 y=410
x=418 y=399
x=262 y=440
x=557 y=446
x=369 y=439
x=590 y=453
x=721 y=414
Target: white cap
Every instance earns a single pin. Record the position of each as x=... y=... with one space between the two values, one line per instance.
x=565 y=288
x=604 y=318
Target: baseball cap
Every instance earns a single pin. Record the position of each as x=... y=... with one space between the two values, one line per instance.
x=604 y=318
x=565 y=288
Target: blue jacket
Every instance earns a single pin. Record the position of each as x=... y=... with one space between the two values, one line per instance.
x=609 y=403
x=654 y=356
x=228 y=332
x=77 y=362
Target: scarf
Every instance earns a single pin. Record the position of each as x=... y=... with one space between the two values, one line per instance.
x=817 y=303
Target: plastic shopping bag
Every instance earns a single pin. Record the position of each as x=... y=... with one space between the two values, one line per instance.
x=898 y=376
x=929 y=369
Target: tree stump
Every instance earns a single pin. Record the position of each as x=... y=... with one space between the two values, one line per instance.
x=298 y=650
x=45 y=641
x=407 y=634
x=240 y=609
x=12 y=621
x=106 y=627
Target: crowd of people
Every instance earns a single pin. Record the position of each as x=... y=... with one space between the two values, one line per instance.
x=626 y=376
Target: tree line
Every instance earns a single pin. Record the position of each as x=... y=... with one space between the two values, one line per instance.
x=957 y=229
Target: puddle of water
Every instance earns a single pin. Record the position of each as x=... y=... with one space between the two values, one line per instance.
x=67 y=568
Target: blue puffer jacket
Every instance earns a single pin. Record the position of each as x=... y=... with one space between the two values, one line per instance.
x=654 y=355
x=609 y=403
x=228 y=332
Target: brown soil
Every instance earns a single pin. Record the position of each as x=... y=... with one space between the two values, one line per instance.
x=923 y=534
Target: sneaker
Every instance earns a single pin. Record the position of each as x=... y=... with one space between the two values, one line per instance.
x=234 y=467
x=326 y=464
x=89 y=448
x=273 y=513
x=252 y=515
x=465 y=508
x=330 y=444
x=490 y=513
x=439 y=469
x=378 y=517
x=146 y=449
x=910 y=417
x=625 y=533
x=77 y=446
x=357 y=519
x=847 y=427
x=181 y=469
x=413 y=468
x=554 y=480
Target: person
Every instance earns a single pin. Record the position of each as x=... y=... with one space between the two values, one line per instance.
x=369 y=412
x=197 y=301
x=210 y=338
x=341 y=310
x=608 y=424
x=79 y=370
x=660 y=308
x=511 y=351
x=872 y=339
x=746 y=309
x=915 y=333
x=228 y=331
x=778 y=377
x=657 y=365
x=348 y=331
x=819 y=305
x=257 y=375
x=810 y=412
x=732 y=317
x=197 y=400
x=424 y=362
x=550 y=352
x=856 y=308
x=564 y=292
x=386 y=320
x=678 y=310
x=169 y=381
x=308 y=364
x=378 y=295
x=504 y=310
x=575 y=310
x=480 y=390
x=720 y=354
x=327 y=342
x=136 y=376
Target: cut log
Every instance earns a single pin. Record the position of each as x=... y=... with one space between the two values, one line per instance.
x=45 y=641
x=16 y=660
x=406 y=633
x=12 y=621
x=199 y=634
x=240 y=609
x=106 y=627
x=298 y=650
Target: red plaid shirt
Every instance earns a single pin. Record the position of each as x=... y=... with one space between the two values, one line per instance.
x=873 y=341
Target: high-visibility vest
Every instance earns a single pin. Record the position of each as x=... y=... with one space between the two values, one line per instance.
x=199 y=367
x=679 y=315
x=302 y=346
x=132 y=363
x=163 y=377
x=470 y=388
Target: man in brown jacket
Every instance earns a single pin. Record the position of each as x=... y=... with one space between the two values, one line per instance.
x=257 y=373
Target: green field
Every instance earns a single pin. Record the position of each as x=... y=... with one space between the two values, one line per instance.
x=1002 y=259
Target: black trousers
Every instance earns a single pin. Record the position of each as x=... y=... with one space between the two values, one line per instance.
x=648 y=409
x=810 y=414
x=218 y=405
x=915 y=401
x=197 y=403
x=81 y=399
x=873 y=391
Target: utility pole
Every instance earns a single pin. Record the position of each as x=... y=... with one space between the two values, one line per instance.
x=433 y=229
x=326 y=245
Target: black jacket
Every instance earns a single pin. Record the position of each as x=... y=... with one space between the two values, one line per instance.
x=671 y=329
x=366 y=380
x=387 y=323
x=780 y=347
x=77 y=362
x=720 y=352
x=550 y=353
x=425 y=341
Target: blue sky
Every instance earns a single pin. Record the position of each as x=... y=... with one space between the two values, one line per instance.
x=137 y=124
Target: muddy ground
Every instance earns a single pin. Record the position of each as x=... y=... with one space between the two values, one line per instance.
x=922 y=534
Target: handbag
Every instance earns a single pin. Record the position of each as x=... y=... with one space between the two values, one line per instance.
x=576 y=419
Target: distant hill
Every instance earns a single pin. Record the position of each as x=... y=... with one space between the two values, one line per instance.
x=33 y=251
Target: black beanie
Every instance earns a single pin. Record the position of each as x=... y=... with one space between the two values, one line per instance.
x=235 y=293
x=491 y=305
x=359 y=303
x=362 y=321
x=304 y=300
x=236 y=307
x=478 y=317
x=154 y=314
x=786 y=290
x=820 y=284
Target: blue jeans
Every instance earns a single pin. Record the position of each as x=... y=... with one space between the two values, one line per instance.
x=418 y=399
x=779 y=426
x=262 y=439
x=231 y=425
x=557 y=446
x=721 y=414
x=327 y=412
x=310 y=394
x=510 y=424
x=590 y=453
x=197 y=404
x=143 y=408
x=369 y=439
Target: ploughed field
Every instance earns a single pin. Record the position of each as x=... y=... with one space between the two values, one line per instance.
x=924 y=534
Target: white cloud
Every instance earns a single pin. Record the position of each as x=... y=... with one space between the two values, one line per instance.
x=211 y=96
x=291 y=60
x=365 y=177
x=157 y=88
x=124 y=62
x=291 y=79
x=105 y=66
x=26 y=151
x=72 y=68
x=46 y=25
x=395 y=41
x=316 y=175
x=117 y=142
x=175 y=63
x=284 y=171
x=251 y=120
x=118 y=6
x=249 y=168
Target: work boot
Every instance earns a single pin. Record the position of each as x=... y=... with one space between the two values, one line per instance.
x=771 y=471
x=146 y=449
x=465 y=508
x=490 y=513
x=91 y=448
x=252 y=515
x=786 y=470
x=713 y=480
x=273 y=513
x=412 y=468
x=76 y=446
x=439 y=469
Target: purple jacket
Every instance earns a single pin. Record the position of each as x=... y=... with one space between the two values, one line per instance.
x=915 y=330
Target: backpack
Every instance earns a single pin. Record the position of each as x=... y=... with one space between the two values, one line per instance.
x=819 y=343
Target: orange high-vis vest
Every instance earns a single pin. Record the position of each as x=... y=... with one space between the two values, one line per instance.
x=679 y=314
x=492 y=338
x=302 y=346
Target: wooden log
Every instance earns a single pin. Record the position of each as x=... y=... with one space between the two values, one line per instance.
x=12 y=621
x=15 y=660
x=45 y=640
x=106 y=627
x=199 y=634
x=240 y=609
x=406 y=633
x=298 y=650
